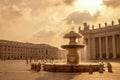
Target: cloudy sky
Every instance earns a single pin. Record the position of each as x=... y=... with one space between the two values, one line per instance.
x=46 y=21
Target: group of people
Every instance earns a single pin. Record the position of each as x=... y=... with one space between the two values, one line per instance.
x=36 y=67
x=109 y=67
x=101 y=68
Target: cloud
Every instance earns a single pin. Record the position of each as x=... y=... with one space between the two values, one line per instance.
x=10 y=2
x=37 y=20
x=79 y=17
x=112 y=3
x=44 y=34
x=69 y=2
x=9 y=16
x=33 y=4
x=10 y=12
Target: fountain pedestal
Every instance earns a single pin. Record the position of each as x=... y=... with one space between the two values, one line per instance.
x=72 y=57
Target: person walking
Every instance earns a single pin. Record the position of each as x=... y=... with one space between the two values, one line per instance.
x=38 y=67
x=109 y=67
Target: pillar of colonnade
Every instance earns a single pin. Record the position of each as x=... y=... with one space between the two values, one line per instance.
x=106 y=46
x=113 y=46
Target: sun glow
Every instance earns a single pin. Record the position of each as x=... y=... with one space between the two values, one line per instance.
x=89 y=5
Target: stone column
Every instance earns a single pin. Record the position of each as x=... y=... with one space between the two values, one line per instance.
x=93 y=48
x=88 y=49
x=113 y=46
x=100 y=48
x=107 y=53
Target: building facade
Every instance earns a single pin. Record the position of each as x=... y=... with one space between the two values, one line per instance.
x=19 y=50
x=103 y=42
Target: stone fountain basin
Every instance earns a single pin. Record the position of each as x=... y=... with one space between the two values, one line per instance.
x=72 y=46
x=70 y=67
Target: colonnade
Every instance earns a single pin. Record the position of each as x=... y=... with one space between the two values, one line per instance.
x=103 y=47
x=107 y=47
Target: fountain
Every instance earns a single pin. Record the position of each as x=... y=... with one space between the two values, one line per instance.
x=72 y=47
x=72 y=64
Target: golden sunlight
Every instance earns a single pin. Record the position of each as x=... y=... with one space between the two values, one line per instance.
x=90 y=5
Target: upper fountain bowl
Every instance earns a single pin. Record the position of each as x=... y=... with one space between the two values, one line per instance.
x=72 y=34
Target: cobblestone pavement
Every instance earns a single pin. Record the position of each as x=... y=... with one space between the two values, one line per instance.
x=19 y=70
